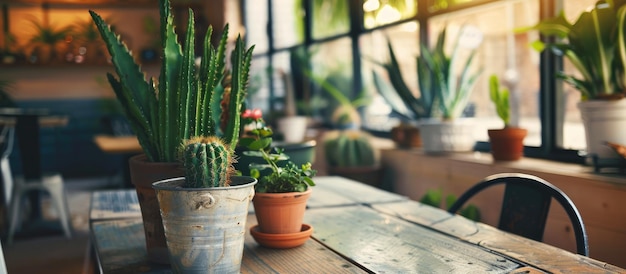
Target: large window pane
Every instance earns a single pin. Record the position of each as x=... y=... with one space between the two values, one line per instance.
x=404 y=40
x=330 y=17
x=506 y=54
x=287 y=25
x=379 y=12
x=573 y=130
x=256 y=25
x=331 y=65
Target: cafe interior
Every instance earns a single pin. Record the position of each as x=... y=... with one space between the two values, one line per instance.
x=65 y=134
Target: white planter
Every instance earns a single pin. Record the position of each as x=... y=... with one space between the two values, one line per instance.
x=447 y=136
x=603 y=121
x=293 y=128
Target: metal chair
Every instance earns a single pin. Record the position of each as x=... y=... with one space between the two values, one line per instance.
x=7 y=134
x=526 y=204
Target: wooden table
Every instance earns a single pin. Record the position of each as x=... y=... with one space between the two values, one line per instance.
x=357 y=229
x=118 y=144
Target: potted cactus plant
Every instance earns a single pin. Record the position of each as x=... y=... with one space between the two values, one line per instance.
x=187 y=105
x=204 y=213
x=281 y=193
x=507 y=144
x=350 y=153
x=444 y=92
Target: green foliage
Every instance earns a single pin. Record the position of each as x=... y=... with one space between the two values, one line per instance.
x=434 y=197
x=282 y=178
x=444 y=92
x=188 y=101
x=595 y=45
x=500 y=98
x=349 y=148
x=207 y=162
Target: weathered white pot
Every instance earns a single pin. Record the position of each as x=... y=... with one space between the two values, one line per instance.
x=293 y=128
x=447 y=136
x=603 y=121
x=205 y=227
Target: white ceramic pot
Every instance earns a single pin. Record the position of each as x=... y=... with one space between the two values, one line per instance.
x=447 y=136
x=604 y=121
x=293 y=128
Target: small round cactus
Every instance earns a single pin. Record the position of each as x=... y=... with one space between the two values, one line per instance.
x=207 y=162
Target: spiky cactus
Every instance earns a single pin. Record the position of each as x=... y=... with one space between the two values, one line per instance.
x=349 y=148
x=186 y=102
x=207 y=162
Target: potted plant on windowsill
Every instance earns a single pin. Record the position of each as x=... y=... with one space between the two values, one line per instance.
x=187 y=105
x=281 y=194
x=507 y=144
x=204 y=213
x=444 y=92
x=596 y=46
x=350 y=153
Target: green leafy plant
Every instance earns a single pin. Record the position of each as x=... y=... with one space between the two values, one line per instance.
x=434 y=197
x=500 y=98
x=594 y=44
x=207 y=162
x=186 y=101
x=283 y=177
x=444 y=93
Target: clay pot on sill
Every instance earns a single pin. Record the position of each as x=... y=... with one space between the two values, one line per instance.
x=406 y=135
x=507 y=144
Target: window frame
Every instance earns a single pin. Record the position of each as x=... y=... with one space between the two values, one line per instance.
x=550 y=91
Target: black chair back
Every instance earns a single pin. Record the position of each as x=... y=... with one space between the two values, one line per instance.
x=526 y=204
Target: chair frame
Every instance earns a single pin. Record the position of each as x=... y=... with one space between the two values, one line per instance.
x=526 y=204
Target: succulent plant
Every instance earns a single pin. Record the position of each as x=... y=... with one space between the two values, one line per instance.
x=349 y=148
x=207 y=162
x=186 y=102
x=500 y=98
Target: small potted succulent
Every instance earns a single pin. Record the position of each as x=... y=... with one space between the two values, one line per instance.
x=281 y=193
x=350 y=153
x=507 y=144
x=204 y=213
x=446 y=82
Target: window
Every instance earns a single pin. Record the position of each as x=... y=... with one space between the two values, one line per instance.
x=347 y=37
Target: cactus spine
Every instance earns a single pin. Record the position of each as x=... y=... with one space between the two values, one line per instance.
x=349 y=148
x=207 y=162
x=188 y=98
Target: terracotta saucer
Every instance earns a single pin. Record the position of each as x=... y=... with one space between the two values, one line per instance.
x=288 y=240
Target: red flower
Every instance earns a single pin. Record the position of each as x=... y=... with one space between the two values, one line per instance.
x=254 y=114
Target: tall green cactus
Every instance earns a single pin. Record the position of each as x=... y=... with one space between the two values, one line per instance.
x=186 y=102
x=207 y=162
x=349 y=148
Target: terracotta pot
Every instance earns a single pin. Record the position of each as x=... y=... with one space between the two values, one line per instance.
x=406 y=135
x=142 y=175
x=280 y=212
x=370 y=175
x=507 y=144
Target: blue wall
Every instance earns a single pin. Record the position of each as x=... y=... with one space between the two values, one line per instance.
x=70 y=149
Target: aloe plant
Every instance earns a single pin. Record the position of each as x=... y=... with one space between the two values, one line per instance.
x=595 y=46
x=186 y=101
x=444 y=93
x=207 y=162
x=500 y=98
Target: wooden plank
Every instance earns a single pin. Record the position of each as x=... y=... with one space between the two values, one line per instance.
x=537 y=254
x=340 y=191
x=114 y=204
x=385 y=244
x=118 y=144
x=120 y=247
